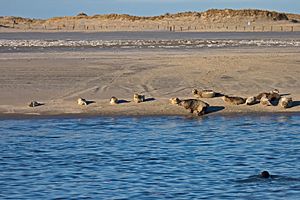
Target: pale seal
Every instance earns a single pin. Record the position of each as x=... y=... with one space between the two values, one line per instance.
x=286 y=102
x=174 y=101
x=265 y=101
x=114 y=100
x=81 y=102
x=137 y=98
x=34 y=104
x=251 y=100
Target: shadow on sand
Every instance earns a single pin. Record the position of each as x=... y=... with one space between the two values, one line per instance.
x=285 y=94
x=218 y=94
x=296 y=103
x=149 y=99
x=212 y=109
x=90 y=102
x=123 y=101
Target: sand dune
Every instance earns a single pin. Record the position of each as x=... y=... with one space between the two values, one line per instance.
x=210 y=20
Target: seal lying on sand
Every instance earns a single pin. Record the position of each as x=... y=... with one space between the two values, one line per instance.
x=174 y=100
x=194 y=105
x=234 y=100
x=286 y=102
x=203 y=93
x=34 y=104
x=272 y=96
x=251 y=100
x=114 y=100
x=264 y=100
x=138 y=98
x=81 y=102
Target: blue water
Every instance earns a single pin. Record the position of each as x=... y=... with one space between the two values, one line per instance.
x=214 y=157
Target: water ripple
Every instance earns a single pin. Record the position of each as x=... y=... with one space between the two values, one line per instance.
x=150 y=158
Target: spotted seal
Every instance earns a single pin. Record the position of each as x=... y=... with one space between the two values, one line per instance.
x=194 y=105
x=272 y=95
x=234 y=100
x=203 y=93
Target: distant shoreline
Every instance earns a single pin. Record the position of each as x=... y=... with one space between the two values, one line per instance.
x=214 y=20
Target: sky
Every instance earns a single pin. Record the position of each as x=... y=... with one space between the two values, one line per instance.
x=50 y=8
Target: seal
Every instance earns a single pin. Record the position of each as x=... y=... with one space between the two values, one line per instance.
x=138 y=98
x=234 y=100
x=272 y=95
x=251 y=100
x=265 y=174
x=174 y=101
x=114 y=100
x=203 y=93
x=194 y=105
x=264 y=100
x=286 y=102
x=34 y=104
x=81 y=102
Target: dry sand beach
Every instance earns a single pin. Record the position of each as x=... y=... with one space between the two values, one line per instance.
x=57 y=79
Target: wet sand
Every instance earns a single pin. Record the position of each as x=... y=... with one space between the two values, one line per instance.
x=57 y=79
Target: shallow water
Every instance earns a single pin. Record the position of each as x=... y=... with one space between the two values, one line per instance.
x=214 y=157
x=70 y=41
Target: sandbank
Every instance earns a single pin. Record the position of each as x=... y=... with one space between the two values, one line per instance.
x=57 y=79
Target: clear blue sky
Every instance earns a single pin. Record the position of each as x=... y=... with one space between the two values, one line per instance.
x=51 y=8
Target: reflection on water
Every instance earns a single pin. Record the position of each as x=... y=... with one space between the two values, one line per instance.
x=214 y=157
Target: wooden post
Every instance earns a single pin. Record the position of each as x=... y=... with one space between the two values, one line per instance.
x=281 y=28
x=292 y=28
x=253 y=28
x=180 y=28
x=244 y=28
x=158 y=27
